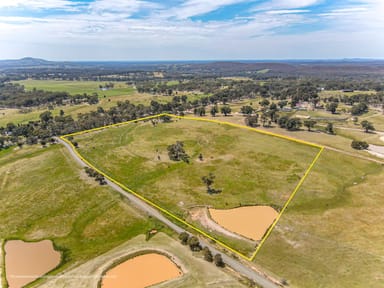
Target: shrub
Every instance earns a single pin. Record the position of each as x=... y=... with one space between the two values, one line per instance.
x=359 y=145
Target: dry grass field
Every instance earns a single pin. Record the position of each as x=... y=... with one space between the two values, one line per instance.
x=250 y=168
x=332 y=233
x=45 y=195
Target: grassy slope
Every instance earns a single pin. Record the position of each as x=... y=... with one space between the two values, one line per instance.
x=332 y=234
x=340 y=141
x=250 y=168
x=43 y=194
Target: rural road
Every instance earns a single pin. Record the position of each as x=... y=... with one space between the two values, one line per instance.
x=354 y=154
x=234 y=264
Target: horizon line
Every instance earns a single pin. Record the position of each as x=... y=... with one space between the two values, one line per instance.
x=205 y=60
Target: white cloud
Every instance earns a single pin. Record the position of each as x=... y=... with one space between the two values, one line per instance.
x=38 y=4
x=105 y=31
x=287 y=11
x=192 y=8
x=286 y=4
x=121 y=6
x=353 y=19
x=350 y=11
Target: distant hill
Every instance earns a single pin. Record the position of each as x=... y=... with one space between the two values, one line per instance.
x=208 y=68
x=30 y=63
x=24 y=62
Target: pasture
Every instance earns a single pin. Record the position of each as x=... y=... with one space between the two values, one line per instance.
x=332 y=233
x=45 y=195
x=249 y=168
x=77 y=87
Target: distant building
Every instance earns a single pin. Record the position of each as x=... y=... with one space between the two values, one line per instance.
x=302 y=106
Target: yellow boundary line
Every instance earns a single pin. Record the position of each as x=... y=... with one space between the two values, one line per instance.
x=248 y=128
x=286 y=204
x=64 y=138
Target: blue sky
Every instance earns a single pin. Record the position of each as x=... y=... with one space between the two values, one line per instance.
x=191 y=29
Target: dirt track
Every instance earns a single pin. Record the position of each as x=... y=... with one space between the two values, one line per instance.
x=376 y=150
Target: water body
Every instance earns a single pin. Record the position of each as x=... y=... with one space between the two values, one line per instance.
x=249 y=221
x=27 y=261
x=141 y=271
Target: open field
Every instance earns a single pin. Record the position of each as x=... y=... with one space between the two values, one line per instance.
x=14 y=115
x=345 y=119
x=121 y=89
x=236 y=106
x=332 y=233
x=198 y=272
x=375 y=117
x=250 y=168
x=339 y=93
x=121 y=92
x=323 y=115
x=45 y=195
x=77 y=87
x=341 y=142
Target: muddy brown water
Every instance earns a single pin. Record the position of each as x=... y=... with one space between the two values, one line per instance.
x=141 y=271
x=249 y=221
x=27 y=261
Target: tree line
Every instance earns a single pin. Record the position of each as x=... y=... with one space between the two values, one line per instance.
x=195 y=246
x=42 y=130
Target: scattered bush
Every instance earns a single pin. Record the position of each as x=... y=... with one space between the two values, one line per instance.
x=207 y=254
x=252 y=121
x=176 y=152
x=218 y=260
x=94 y=174
x=359 y=145
x=359 y=109
x=184 y=236
x=194 y=244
